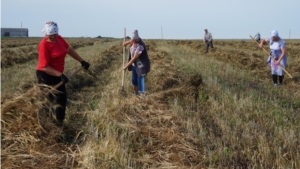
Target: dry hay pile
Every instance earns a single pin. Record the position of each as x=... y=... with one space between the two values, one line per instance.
x=77 y=43
x=159 y=137
x=18 y=42
x=99 y=63
x=27 y=131
x=11 y=56
x=30 y=137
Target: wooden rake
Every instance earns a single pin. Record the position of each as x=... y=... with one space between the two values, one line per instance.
x=60 y=83
x=123 y=72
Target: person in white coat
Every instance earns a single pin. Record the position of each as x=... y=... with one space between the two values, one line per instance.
x=278 y=51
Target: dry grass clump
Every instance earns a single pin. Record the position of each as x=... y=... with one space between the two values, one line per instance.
x=27 y=131
x=30 y=135
x=159 y=139
x=11 y=56
x=11 y=42
x=77 y=43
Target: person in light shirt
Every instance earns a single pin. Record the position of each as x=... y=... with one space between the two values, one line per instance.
x=278 y=51
x=207 y=40
x=139 y=63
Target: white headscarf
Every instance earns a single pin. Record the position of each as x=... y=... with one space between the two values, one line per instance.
x=274 y=33
x=50 y=28
x=134 y=35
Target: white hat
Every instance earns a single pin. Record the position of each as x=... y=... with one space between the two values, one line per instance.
x=274 y=33
x=50 y=28
x=134 y=35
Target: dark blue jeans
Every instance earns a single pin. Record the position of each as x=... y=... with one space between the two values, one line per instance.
x=138 y=81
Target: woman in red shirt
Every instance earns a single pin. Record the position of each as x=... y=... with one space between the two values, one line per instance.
x=52 y=53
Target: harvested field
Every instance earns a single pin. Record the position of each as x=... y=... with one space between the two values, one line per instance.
x=214 y=110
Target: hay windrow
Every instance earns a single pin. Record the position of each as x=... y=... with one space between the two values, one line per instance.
x=28 y=129
x=183 y=122
x=155 y=135
x=30 y=137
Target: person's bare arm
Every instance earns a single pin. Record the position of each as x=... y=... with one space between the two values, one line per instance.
x=135 y=57
x=74 y=54
x=262 y=43
x=127 y=42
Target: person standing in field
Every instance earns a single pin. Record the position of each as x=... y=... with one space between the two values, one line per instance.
x=278 y=51
x=52 y=52
x=139 y=63
x=257 y=37
x=207 y=40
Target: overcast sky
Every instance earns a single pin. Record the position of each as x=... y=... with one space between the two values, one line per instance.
x=174 y=19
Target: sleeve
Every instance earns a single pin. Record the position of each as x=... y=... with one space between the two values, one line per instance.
x=268 y=39
x=139 y=49
x=64 y=41
x=282 y=44
x=44 y=55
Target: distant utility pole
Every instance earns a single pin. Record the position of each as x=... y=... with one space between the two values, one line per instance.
x=162 y=33
x=290 y=34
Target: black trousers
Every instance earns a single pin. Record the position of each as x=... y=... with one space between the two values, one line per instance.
x=61 y=98
x=208 y=44
x=276 y=77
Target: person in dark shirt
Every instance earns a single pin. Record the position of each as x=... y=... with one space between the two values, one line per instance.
x=257 y=37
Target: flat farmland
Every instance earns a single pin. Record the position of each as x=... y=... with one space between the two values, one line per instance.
x=213 y=110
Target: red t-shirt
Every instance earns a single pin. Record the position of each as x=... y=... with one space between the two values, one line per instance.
x=52 y=54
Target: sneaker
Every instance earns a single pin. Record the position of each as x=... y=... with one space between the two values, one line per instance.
x=136 y=94
x=275 y=85
x=141 y=96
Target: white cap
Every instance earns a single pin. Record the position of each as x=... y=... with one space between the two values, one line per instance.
x=50 y=28
x=134 y=35
x=274 y=33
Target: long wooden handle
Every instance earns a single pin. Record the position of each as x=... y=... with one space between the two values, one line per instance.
x=124 y=50
x=271 y=57
x=69 y=76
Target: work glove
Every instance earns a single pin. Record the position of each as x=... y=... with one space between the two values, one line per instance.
x=85 y=65
x=64 y=78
